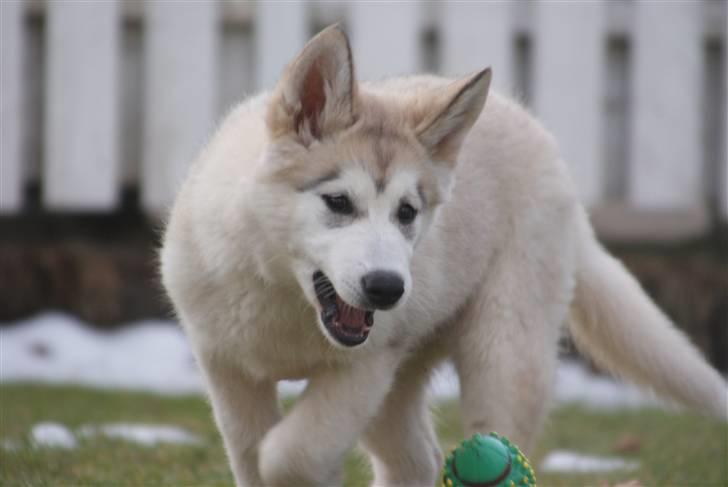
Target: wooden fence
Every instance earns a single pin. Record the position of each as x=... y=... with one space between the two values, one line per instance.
x=100 y=95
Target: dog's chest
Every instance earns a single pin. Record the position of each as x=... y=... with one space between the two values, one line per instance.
x=277 y=338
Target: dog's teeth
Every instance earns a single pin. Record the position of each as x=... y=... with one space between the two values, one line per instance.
x=350 y=331
x=329 y=313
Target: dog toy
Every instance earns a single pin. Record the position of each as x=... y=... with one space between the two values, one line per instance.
x=488 y=461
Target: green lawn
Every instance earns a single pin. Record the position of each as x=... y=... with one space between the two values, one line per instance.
x=674 y=450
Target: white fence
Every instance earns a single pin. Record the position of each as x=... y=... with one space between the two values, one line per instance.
x=97 y=96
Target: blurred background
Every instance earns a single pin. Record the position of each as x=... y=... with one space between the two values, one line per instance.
x=103 y=104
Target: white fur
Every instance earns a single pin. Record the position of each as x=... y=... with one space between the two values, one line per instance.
x=371 y=242
x=490 y=279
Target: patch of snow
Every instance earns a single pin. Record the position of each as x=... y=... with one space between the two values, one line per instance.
x=155 y=356
x=445 y=382
x=574 y=384
x=142 y=434
x=56 y=435
x=52 y=435
x=291 y=387
x=565 y=461
x=56 y=348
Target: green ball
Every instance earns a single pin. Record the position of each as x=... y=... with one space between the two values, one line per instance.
x=488 y=461
x=482 y=459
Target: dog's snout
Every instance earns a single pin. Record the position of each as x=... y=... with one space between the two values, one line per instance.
x=382 y=288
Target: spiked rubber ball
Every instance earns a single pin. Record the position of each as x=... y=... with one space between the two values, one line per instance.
x=488 y=461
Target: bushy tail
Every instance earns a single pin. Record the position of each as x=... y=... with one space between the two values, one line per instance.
x=616 y=323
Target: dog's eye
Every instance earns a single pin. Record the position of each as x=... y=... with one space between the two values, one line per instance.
x=406 y=214
x=338 y=203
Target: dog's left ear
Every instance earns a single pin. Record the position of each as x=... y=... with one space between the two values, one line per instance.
x=316 y=95
x=443 y=131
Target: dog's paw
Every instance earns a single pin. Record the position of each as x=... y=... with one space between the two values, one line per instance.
x=286 y=459
x=276 y=466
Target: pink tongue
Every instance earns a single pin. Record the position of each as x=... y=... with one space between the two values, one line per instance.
x=350 y=316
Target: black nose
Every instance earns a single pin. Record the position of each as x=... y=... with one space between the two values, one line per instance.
x=382 y=288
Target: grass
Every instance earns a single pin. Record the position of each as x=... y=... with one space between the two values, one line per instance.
x=675 y=449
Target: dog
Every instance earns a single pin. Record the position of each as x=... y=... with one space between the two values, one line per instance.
x=358 y=234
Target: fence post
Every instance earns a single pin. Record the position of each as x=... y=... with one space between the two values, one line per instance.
x=82 y=105
x=181 y=92
x=476 y=35
x=281 y=29
x=237 y=73
x=666 y=157
x=724 y=147
x=569 y=60
x=11 y=115
x=385 y=38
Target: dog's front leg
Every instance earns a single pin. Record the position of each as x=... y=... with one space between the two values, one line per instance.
x=506 y=346
x=308 y=446
x=244 y=412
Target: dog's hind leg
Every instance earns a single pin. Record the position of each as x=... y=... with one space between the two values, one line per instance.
x=506 y=345
x=401 y=441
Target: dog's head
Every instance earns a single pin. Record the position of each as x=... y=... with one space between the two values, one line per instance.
x=358 y=176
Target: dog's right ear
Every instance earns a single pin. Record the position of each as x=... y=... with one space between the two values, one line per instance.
x=316 y=95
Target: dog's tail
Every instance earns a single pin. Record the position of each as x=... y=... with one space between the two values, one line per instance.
x=616 y=323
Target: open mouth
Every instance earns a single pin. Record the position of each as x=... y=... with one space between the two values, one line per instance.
x=348 y=325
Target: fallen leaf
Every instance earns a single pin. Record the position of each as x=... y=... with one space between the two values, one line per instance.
x=627 y=443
